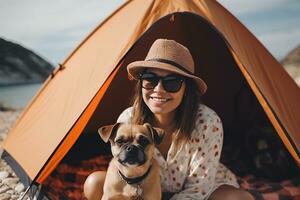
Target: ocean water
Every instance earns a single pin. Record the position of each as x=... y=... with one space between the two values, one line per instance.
x=17 y=96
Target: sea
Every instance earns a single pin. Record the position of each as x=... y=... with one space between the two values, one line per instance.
x=18 y=96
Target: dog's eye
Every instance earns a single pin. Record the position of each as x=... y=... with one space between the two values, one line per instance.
x=120 y=141
x=143 y=141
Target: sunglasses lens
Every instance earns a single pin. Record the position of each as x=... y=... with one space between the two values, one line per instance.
x=149 y=80
x=172 y=83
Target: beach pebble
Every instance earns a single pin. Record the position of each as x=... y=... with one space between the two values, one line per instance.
x=14 y=197
x=10 y=181
x=5 y=196
x=10 y=191
x=2 y=137
x=3 y=175
x=3 y=189
x=19 y=188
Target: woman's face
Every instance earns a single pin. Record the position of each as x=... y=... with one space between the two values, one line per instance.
x=158 y=100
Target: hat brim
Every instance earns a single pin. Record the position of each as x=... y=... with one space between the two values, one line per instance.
x=134 y=69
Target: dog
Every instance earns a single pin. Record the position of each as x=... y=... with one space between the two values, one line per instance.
x=132 y=173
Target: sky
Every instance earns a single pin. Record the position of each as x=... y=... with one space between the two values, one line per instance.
x=53 y=29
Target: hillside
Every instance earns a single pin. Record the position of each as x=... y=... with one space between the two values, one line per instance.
x=19 y=65
x=292 y=64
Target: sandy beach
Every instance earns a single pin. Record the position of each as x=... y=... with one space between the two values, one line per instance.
x=10 y=186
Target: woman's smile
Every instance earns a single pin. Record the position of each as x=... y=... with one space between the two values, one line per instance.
x=159 y=100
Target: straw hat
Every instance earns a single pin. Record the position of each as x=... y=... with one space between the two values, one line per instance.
x=171 y=56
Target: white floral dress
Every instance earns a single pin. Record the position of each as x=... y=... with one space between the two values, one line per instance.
x=194 y=171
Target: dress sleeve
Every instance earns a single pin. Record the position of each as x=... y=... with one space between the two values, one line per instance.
x=125 y=116
x=205 y=148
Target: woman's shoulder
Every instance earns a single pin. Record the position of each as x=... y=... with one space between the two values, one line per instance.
x=206 y=113
x=126 y=115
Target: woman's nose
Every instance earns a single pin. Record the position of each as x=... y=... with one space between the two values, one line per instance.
x=159 y=87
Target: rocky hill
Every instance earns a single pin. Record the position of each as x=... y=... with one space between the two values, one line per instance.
x=292 y=64
x=19 y=65
x=293 y=58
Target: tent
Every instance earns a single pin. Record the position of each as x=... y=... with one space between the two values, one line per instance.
x=91 y=88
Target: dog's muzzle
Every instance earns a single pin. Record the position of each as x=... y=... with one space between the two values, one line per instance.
x=132 y=155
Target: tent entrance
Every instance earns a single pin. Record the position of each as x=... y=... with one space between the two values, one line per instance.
x=228 y=94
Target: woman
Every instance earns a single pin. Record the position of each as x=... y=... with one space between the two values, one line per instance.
x=168 y=96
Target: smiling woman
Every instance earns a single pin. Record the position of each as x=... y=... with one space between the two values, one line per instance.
x=168 y=97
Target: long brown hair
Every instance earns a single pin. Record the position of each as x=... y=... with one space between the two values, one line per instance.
x=185 y=116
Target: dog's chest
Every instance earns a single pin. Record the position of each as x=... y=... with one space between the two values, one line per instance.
x=135 y=192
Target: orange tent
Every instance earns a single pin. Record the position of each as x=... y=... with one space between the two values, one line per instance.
x=91 y=87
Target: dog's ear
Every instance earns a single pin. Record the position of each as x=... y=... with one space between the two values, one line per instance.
x=156 y=133
x=107 y=132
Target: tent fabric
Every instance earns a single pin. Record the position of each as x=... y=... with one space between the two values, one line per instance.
x=54 y=111
x=55 y=118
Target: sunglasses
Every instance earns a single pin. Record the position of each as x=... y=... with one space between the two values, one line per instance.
x=171 y=83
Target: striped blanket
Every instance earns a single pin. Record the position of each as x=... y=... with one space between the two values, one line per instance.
x=66 y=182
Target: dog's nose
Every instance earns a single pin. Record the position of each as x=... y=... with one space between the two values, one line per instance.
x=129 y=148
x=132 y=154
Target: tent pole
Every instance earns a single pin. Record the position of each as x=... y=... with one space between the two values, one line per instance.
x=24 y=194
x=26 y=191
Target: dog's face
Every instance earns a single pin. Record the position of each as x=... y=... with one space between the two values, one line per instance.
x=132 y=145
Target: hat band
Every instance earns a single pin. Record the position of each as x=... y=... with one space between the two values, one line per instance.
x=171 y=63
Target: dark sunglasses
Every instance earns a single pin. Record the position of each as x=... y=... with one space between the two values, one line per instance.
x=171 y=83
